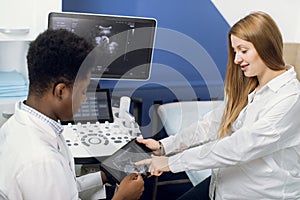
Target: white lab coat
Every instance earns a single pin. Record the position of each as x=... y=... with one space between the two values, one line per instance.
x=261 y=159
x=36 y=164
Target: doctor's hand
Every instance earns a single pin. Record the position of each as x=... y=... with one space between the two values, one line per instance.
x=157 y=164
x=152 y=144
x=131 y=188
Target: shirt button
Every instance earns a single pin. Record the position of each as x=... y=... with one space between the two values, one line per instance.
x=239 y=124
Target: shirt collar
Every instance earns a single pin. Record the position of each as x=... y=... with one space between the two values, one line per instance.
x=56 y=126
x=276 y=83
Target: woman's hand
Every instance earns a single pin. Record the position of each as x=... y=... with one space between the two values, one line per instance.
x=131 y=188
x=157 y=164
x=152 y=144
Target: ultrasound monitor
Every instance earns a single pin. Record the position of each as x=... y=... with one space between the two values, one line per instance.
x=123 y=45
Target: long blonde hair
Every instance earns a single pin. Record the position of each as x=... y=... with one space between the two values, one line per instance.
x=261 y=30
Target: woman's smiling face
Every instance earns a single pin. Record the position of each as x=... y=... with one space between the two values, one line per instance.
x=247 y=57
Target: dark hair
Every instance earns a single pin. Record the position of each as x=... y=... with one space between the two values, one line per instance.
x=56 y=56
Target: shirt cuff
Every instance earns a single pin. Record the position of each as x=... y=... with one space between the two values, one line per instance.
x=89 y=181
x=168 y=144
x=176 y=164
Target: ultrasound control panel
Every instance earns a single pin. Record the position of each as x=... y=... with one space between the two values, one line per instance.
x=100 y=139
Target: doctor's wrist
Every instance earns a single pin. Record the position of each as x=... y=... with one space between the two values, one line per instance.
x=107 y=178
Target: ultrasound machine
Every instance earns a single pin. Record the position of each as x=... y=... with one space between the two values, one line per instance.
x=98 y=129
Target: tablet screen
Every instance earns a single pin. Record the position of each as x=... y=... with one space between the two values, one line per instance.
x=121 y=163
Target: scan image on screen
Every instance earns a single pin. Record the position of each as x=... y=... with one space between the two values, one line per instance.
x=125 y=162
x=125 y=44
x=121 y=163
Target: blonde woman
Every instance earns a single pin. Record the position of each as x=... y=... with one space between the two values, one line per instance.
x=253 y=149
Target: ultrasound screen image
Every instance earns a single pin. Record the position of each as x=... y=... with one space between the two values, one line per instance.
x=125 y=162
x=125 y=44
x=121 y=163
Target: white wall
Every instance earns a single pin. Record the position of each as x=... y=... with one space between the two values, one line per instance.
x=286 y=13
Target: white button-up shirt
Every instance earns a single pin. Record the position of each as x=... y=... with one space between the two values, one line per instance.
x=261 y=159
x=35 y=162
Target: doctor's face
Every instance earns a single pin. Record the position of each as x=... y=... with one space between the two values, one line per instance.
x=71 y=99
x=79 y=94
x=247 y=57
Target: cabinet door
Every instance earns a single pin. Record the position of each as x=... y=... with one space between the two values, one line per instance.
x=24 y=19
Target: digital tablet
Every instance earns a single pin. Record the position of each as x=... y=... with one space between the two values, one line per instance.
x=121 y=163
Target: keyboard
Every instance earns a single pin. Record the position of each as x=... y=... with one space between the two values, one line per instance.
x=100 y=139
